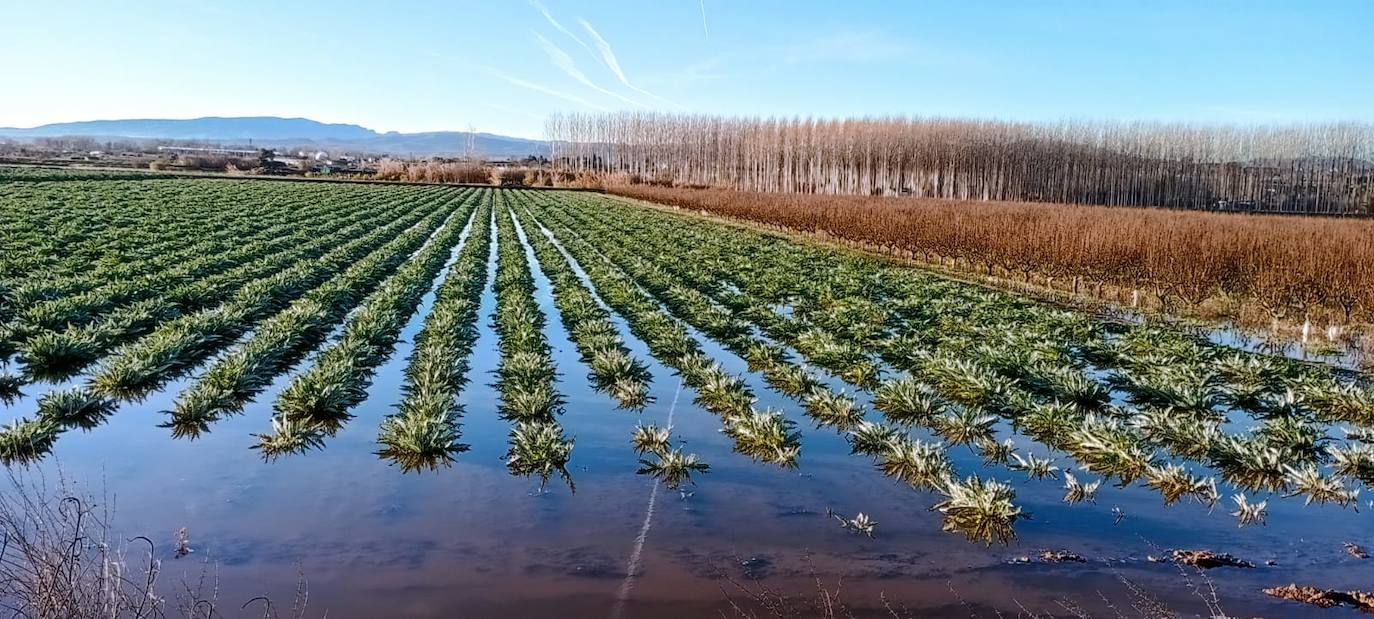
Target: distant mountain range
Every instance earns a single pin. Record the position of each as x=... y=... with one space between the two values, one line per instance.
x=270 y=131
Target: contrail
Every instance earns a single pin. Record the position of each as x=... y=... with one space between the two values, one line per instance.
x=607 y=54
x=608 y=58
x=632 y=570
x=515 y=81
x=559 y=27
x=704 y=30
x=565 y=63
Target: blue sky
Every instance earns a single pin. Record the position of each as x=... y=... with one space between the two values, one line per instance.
x=503 y=66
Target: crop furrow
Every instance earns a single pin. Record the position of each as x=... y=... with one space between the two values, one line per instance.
x=284 y=339
x=317 y=402
x=424 y=431
x=526 y=373
x=613 y=370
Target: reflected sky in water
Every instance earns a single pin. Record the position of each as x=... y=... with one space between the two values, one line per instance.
x=474 y=540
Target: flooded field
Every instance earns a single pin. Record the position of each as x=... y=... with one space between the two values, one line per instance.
x=816 y=384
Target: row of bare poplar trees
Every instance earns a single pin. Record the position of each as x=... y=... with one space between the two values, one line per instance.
x=1312 y=168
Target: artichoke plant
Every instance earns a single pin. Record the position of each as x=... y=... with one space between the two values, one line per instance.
x=673 y=468
x=539 y=448
x=650 y=439
x=982 y=510
x=1077 y=492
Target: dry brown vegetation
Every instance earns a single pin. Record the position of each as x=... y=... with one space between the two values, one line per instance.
x=1247 y=267
x=61 y=557
x=440 y=171
x=214 y=163
x=1326 y=168
x=433 y=171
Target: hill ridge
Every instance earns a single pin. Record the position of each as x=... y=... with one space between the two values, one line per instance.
x=287 y=132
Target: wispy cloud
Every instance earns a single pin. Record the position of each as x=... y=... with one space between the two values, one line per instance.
x=565 y=63
x=506 y=109
x=708 y=70
x=608 y=58
x=851 y=46
x=515 y=81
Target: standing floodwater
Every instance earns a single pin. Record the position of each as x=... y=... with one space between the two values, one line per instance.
x=417 y=399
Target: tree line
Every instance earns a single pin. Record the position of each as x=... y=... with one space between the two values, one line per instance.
x=1299 y=168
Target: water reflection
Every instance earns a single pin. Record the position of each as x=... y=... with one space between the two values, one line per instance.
x=540 y=448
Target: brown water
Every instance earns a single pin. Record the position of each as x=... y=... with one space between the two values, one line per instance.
x=474 y=541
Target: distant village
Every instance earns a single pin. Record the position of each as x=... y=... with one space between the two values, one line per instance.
x=271 y=161
x=172 y=155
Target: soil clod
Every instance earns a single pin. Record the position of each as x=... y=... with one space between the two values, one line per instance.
x=1207 y=559
x=1324 y=598
x=1061 y=556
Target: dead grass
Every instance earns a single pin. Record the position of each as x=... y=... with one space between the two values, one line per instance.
x=60 y=558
